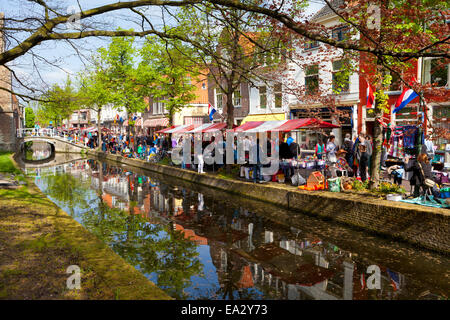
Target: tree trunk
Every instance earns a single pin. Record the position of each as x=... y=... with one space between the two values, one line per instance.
x=99 y=131
x=377 y=143
x=230 y=123
x=230 y=110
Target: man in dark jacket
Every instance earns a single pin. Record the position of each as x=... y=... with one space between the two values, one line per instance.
x=348 y=147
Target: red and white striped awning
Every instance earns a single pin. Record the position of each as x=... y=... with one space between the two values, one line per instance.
x=90 y=129
x=208 y=127
x=283 y=125
x=166 y=129
x=158 y=122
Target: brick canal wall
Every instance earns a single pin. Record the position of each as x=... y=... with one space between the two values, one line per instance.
x=422 y=226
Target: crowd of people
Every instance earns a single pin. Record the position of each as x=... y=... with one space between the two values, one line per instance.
x=141 y=147
x=354 y=157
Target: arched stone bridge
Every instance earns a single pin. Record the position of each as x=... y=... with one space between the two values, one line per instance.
x=58 y=144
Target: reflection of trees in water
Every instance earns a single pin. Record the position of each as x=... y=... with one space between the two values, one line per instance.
x=152 y=248
x=69 y=191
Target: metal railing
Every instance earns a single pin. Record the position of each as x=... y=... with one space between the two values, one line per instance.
x=46 y=132
x=32 y=132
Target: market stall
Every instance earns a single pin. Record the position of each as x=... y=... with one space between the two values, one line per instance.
x=290 y=166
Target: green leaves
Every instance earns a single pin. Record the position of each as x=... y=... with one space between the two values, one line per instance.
x=29 y=117
x=59 y=104
x=169 y=73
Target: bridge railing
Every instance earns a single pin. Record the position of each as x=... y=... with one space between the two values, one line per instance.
x=46 y=132
x=33 y=132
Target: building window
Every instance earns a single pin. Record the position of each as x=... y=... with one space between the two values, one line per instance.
x=312 y=79
x=262 y=97
x=155 y=106
x=309 y=44
x=84 y=116
x=237 y=98
x=395 y=82
x=278 y=93
x=441 y=114
x=340 y=34
x=340 y=78
x=203 y=86
x=219 y=98
x=436 y=72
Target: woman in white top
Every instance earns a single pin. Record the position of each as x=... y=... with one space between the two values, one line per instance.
x=331 y=149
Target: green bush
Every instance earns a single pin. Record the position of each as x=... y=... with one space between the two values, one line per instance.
x=387 y=187
x=360 y=186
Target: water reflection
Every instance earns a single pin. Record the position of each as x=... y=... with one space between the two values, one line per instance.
x=198 y=246
x=38 y=151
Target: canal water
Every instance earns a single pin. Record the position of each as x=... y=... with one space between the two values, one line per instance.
x=198 y=243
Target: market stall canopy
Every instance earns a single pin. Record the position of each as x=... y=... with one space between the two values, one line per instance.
x=248 y=125
x=284 y=125
x=181 y=129
x=89 y=129
x=208 y=127
x=216 y=127
x=166 y=129
x=158 y=122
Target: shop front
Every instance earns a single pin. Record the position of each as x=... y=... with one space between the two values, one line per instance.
x=154 y=124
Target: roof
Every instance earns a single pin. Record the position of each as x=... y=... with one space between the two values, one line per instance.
x=326 y=10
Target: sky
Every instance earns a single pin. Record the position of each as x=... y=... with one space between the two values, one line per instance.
x=68 y=61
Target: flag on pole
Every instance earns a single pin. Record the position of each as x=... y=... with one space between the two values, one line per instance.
x=211 y=111
x=406 y=97
x=370 y=97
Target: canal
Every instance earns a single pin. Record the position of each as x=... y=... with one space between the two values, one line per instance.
x=199 y=243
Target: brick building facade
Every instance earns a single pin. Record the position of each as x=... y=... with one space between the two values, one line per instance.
x=8 y=110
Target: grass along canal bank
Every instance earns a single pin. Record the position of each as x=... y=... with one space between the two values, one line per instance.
x=420 y=226
x=39 y=241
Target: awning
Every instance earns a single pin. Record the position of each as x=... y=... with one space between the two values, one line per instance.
x=138 y=122
x=264 y=117
x=158 y=122
x=284 y=125
x=208 y=127
x=89 y=129
x=166 y=129
x=216 y=127
x=267 y=126
x=181 y=129
x=201 y=128
x=248 y=125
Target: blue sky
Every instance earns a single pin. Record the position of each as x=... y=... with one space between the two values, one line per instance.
x=63 y=53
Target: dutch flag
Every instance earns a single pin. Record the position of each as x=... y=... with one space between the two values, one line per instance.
x=370 y=97
x=211 y=111
x=406 y=97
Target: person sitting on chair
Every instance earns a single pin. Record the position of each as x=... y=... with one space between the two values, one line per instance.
x=421 y=170
x=342 y=164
